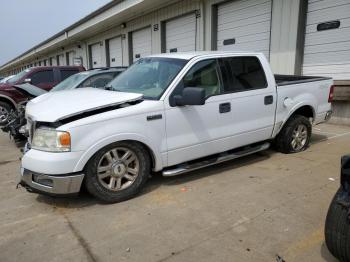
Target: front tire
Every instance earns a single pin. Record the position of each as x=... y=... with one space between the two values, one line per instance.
x=5 y=110
x=337 y=230
x=294 y=136
x=118 y=171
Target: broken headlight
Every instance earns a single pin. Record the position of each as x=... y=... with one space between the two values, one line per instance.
x=51 y=140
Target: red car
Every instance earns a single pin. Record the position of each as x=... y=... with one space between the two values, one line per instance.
x=45 y=77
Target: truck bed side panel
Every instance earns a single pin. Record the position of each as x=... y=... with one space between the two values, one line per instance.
x=293 y=96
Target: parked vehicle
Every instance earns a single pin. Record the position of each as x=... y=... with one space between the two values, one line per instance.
x=97 y=78
x=337 y=228
x=5 y=79
x=171 y=113
x=44 y=77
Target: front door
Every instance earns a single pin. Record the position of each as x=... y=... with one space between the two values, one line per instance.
x=197 y=131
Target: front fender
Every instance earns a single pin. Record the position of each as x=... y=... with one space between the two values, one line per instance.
x=158 y=165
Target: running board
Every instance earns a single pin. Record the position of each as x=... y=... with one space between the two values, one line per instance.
x=223 y=157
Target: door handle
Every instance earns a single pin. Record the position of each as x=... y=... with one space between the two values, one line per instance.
x=268 y=100
x=224 y=108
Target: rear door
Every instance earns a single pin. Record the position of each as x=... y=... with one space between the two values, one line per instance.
x=44 y=79
x=252 y=99
x=67 y=72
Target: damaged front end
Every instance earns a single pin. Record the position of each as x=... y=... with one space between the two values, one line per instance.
x=16 y=126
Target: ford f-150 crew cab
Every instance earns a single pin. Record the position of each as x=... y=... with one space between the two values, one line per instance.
x=171 y=113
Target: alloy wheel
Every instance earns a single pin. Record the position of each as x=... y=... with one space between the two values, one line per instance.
x=118 y=168
x=299 y=137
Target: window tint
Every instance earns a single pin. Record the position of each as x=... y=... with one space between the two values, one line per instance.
x=42 y=77
x=67 y=73
x=204 y=74
x=100 y=80
x=242 y=74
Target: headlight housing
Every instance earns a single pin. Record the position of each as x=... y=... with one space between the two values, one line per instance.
x=51 y=140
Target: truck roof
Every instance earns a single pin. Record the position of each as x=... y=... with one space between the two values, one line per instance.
x=190 y=55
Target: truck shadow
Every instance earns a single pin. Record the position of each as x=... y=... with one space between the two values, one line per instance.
x=214 y=170
x=317 y=138
x=85 y=200
x=326 y=255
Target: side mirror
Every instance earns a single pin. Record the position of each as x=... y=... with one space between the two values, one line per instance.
x=191 y=96
x=27 y=81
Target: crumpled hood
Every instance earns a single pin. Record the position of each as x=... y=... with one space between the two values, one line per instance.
x=54 y=106
x=30 y=89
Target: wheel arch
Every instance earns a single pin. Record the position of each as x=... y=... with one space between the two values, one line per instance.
x=8 y=100
x=306 y=110
x=154 y=154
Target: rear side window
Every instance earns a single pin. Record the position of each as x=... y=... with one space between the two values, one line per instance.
x=100 y=80
x=242 y=74
x=42 y=77
x=65 y=73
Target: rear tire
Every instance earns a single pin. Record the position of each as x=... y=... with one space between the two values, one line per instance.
x=118 y=171
x=337 y=230
x=294 y=136
x=5 y=110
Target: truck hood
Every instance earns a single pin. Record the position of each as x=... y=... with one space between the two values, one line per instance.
x=30 y=89
x=55 y=106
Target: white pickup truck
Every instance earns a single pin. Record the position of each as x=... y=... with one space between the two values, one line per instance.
x=171 y=113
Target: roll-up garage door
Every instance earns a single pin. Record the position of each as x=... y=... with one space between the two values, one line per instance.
x=141 y=43
x=327 y=39
x=244 y=25
x=70 y=57
x=115 y=49
x=180 y=34
x=53 y=61
x=96 y=55
x=61 y=60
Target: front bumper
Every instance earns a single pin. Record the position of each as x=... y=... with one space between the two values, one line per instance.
x=50 y=184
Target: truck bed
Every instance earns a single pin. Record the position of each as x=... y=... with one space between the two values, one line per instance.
x=283 y=80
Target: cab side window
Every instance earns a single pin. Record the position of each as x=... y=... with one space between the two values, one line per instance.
x=242 y=74
x=204 y=74
x=42 y=77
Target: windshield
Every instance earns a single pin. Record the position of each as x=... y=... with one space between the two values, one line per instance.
x=70 y=82
x=18 y=76
x=148 y=76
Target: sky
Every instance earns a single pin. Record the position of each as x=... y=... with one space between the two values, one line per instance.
x=25 y=23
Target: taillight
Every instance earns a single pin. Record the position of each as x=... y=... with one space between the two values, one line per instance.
x=331 y=94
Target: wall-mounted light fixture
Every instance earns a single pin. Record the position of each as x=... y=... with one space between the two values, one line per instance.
x=123 y=25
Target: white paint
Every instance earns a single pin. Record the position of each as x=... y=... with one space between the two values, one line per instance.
x=327 y=53
x=248 y=22
x=96 y=55
x=141 y=43
x=180 y=34
x=183 y=133
x=116 y=51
